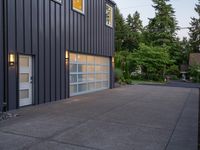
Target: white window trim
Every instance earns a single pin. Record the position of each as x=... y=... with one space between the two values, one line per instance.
x=110 y=25
x=58 y=1
x=77 y=10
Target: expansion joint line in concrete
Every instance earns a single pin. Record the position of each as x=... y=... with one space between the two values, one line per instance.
x=178 y=119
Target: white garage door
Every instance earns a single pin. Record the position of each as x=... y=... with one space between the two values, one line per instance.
x=88 y=73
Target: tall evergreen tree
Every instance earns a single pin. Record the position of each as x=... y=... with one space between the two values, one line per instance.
x=162 y=28
x=133 y=32
x=195 y=30
x=185 y=45
x=135 y=23
x=129 y=20
x=119 y=30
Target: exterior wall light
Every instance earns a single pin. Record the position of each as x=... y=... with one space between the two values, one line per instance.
x=113 y=59
x=11 y=59
x=67 y=54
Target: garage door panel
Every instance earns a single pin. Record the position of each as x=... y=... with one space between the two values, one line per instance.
x=88 y=73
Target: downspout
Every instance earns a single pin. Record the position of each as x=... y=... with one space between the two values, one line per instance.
x=5 y=47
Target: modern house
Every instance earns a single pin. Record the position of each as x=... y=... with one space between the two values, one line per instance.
x=54 y=49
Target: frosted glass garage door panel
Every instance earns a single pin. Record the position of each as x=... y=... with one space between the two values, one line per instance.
x=91 y=68
x=73 y=78
x=82 y=78
x=73 y=58
x=73 y=68
x=73 y=89
x=90 y=60
x=88 y=73
x=82 y=59
x=82 y=68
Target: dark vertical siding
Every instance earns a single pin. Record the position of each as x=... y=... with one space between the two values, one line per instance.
x=68 y=41
x=82 y=41
x=53 y=51
x=89 y=25
x=35 y=47
x=86 y=27
x=47 y=53
x=92 y=27
x=79 y=25
x=1 y=57
x=75 y=32
x=20 y=26
x=68 y=21
x=27 y=26
x=45 y=30
x=58 y=52
x=62 y=51
x=41 y=50
x=12 y=76
x=95 y=27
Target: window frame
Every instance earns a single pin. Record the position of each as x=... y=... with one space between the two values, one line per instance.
x=77 y=10
x=58 y=1
x=112 y=15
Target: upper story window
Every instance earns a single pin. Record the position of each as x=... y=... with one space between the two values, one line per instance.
x=109 y=15
x=78 y=5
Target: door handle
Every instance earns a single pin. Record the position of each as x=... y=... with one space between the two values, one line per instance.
x=31 y=80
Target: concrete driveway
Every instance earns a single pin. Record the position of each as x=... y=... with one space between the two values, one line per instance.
x=129 y=118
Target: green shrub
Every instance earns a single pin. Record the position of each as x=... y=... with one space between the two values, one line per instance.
x=173 y=70
x=128 y=81
x=118 y=74
x=194 y=72
x=138 y=77
x=174 y=77
x=152 y=61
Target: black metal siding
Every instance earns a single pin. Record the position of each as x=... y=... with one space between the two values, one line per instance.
x=45 y=30
x=11 y=45
x=1 y=57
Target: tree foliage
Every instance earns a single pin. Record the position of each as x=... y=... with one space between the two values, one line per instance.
x=127 y=32
x=134 y=22
x=153 y=49
x=195 y=73
x=125 y=62
x=195 y=30
x=153 y=61
x=119 y=30
x=186 y=49
x=133 y=32
x=162 y=28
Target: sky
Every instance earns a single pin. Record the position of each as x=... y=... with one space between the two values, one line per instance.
x=184 y=11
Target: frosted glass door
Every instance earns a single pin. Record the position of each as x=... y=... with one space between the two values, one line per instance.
x=25 y=80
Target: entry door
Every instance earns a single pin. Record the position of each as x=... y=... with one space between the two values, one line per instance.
x=25 y=80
